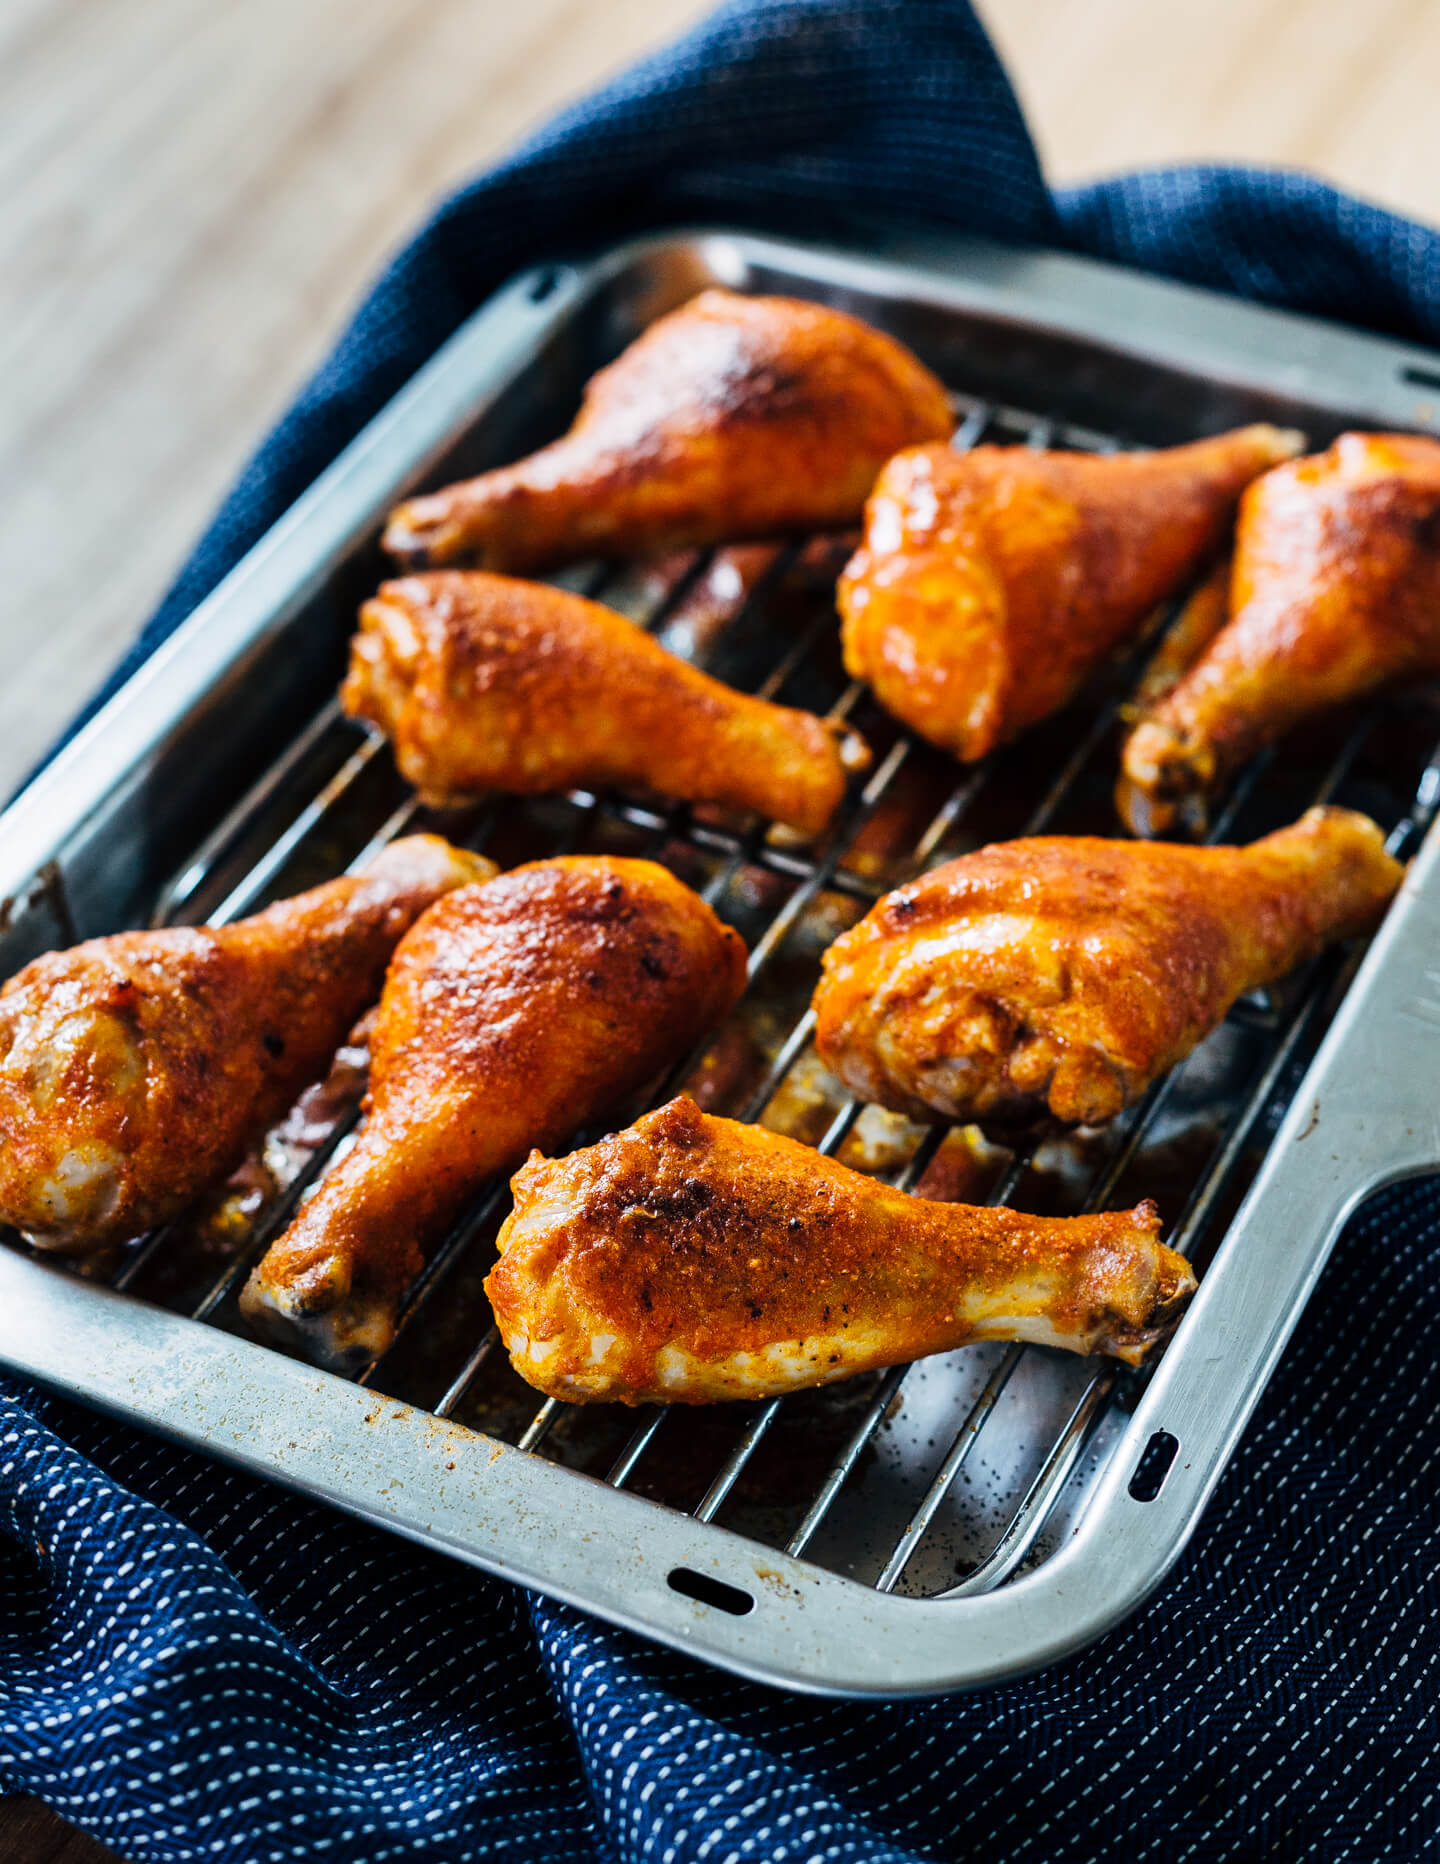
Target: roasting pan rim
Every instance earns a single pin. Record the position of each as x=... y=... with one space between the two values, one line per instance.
x=910 y=1645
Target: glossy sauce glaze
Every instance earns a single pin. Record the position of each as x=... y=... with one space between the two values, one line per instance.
x=990 y=584
x=1059 y=976
x=732 y=418
x=1335 y=591
x=530 y=1006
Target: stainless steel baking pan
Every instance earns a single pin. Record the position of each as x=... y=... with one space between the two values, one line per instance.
x=934 y=1528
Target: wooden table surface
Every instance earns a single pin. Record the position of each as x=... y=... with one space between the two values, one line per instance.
x=194 y=193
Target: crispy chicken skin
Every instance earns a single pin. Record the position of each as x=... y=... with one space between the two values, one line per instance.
x=484 y=682
x=1061 y=976
x=691 y=1259
x=520 y=1011
x=135 y=1070
x=1335 y=591
x=990 y=584
x=732 y=418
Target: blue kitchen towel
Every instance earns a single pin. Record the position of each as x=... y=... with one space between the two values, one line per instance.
x=195 y=1665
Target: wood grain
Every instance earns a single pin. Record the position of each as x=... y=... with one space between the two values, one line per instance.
x=1344 y=89
x=30 y=1833
x=194 y=194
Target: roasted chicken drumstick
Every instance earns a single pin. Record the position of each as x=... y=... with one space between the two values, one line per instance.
x=135 y=1070
x=732 y=418
x=513 y=1013
x=690 y=1259
x=483 y=682
x=990 y=584
x=1335 y=591
x=1061 y=976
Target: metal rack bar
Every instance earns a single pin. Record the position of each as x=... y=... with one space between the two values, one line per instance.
x=539 y=1427
x=971 y=430
x=468 y=1373
x=1028 y=1521
x=965 y=1441
x=730 y=1469
x=244 y=895
x=638 y=1443
x=191 y=877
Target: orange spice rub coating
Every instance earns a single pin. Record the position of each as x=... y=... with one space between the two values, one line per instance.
x=484 y=682
x=135 y=1070
x=1060 y=976
x=991 y=584
x=525 y=1009
x=731 y=418
x=1335 y=591
x=690 y=1259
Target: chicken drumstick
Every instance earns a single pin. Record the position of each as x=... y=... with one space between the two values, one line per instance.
x=691 y=1259
x=731 y=418
x=1335 y=591
x=1064 y=975
x=135 y=1070
x=482 y=682
x=992 y=583
x=513 y=1013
